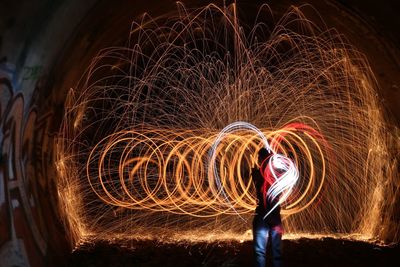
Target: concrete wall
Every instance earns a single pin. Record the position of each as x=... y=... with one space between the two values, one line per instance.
x=44 y=48
x=32 y=35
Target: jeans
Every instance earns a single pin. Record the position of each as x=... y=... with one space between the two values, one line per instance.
x=261 y=233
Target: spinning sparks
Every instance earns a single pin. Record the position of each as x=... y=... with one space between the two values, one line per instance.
x=236 y=126
x=141 y=153
x=281 y=186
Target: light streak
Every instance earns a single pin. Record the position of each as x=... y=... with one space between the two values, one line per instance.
x=281 y=185
x=212 y=166
x=285 y=175
x=141 y=154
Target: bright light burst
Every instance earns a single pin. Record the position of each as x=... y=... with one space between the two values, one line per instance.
x=281 y=169
x=285 y=177
x=141 y=155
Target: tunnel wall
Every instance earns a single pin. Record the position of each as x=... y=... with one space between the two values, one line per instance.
x=33 y=36
x=33 y=33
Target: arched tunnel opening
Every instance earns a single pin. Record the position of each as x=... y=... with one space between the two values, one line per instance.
x=110 y=112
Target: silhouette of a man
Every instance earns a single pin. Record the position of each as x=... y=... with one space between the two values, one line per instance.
x=271 y=226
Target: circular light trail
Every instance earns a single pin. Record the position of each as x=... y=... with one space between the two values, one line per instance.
x=141 y=154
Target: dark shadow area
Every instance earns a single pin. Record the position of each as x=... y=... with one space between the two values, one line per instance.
x=302 y=252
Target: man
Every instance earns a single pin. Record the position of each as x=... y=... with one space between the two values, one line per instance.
x=271 y=225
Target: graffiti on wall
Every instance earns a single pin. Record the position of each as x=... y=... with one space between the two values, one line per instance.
x=25 y=176
x=31 y=72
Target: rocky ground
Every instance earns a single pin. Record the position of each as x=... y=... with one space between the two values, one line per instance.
x=302 y=252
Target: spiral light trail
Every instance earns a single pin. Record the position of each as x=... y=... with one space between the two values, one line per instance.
x=284 y=179
x=141 y=153
x=281 y=185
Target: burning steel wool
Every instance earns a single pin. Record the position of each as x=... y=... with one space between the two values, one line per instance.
x=143 y=151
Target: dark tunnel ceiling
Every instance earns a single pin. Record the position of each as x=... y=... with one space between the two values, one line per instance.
x=382 y=16
x=374 y=29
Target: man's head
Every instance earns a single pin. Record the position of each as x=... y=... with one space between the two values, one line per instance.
x=263 y=153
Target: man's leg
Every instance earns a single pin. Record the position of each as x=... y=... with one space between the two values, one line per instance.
x=276 y=245
x=260 y=239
